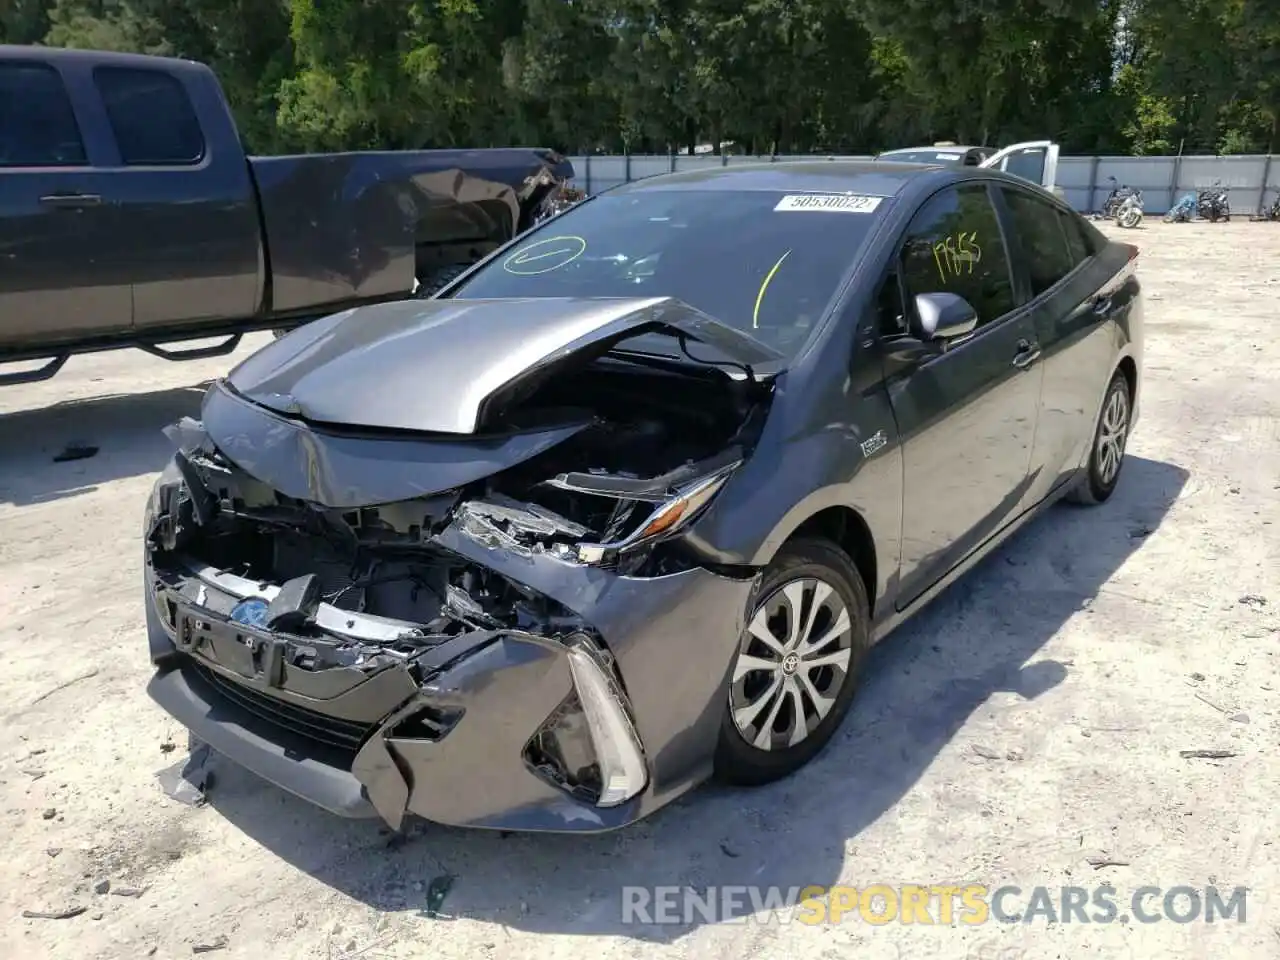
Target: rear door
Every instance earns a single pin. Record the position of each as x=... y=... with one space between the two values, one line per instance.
x=190 y=222
x=60 y=277
x=1062 y=290
x=1034 y=160
x=966 y=415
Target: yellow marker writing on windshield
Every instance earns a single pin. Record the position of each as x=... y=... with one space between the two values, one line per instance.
x=755 y=314
x=551 y=254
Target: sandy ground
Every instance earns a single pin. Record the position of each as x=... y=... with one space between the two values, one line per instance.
x=1029 y=722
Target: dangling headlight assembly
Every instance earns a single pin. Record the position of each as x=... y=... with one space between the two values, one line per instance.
x=667 y=518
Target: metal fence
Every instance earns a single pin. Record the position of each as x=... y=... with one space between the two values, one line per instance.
x=1083 y=180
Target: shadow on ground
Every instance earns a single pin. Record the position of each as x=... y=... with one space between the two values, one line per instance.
x=126 y=429
x=921 y=686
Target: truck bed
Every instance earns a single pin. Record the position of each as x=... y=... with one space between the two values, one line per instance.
x=362 y=226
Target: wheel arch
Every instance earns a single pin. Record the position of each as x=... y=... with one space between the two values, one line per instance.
x=1129 y=367
x=845 y=528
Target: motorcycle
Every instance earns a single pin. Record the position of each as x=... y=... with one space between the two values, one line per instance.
x=1118 y=195
x=1129 y=213
x=1213 y=205
x=1271 y=213
x=1182 y=211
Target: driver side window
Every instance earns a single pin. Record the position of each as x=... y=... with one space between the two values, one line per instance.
x=954 y=245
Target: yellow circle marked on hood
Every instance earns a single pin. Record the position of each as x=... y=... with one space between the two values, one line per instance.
x=543 y=256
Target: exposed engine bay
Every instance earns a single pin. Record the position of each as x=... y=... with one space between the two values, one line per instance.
x=657 y=446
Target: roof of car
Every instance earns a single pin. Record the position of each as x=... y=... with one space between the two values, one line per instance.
x=844 y=176
x=95 y=57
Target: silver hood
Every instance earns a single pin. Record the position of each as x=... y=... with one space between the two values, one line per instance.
x=436 y=366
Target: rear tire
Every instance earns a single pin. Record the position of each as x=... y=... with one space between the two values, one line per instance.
x=1106 y=453
x=797 y=665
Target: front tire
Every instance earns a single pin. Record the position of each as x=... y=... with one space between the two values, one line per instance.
x=797 y=665
x=1106 y=456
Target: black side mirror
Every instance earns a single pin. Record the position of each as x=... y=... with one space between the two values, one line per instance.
x=942 y=316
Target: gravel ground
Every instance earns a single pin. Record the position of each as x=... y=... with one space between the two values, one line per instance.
x=1023 y=730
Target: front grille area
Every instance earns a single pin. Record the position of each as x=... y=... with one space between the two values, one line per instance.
x=346 y=736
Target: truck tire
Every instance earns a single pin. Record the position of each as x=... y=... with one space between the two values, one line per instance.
x=428 y=284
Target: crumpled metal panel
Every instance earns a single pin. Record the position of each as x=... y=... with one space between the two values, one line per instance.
x=344 y=226
x=346 y=472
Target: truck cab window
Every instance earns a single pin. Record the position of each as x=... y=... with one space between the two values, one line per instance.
x=151 y=116
x=37 y=125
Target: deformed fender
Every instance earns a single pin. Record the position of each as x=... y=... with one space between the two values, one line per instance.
x=673 y=638
x=824 y=470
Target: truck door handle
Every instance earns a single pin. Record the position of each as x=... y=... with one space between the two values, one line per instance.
x=71 y=201
x=1028 y=353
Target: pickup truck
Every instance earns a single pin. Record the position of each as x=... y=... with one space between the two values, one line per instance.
x=1034 y=160
x=130 y=215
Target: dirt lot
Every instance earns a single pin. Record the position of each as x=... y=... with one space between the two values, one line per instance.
x=1029 y=723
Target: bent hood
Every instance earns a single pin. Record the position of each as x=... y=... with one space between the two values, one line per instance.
x=439 y=366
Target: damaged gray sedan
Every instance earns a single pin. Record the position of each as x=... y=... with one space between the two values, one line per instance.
x=625 y=505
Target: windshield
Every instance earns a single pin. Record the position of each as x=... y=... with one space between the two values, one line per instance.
x=763 y=262
x=919 y=156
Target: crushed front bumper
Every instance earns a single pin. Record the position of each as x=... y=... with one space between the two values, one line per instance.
x=363 y=750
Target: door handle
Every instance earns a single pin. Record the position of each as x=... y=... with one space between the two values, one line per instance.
x=1028 y=353
x=71 y=201
x=1102 y=306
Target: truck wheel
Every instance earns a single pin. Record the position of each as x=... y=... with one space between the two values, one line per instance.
x=425 y=286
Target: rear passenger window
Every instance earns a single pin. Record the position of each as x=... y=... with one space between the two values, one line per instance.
x=954 y=245
x=151 y=115
x=1077 y=240
x=1041 y=237
x=37 y=125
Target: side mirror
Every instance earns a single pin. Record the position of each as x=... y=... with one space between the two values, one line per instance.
x=942 y=316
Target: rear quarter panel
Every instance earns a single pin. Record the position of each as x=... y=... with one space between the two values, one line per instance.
x=1082 y=352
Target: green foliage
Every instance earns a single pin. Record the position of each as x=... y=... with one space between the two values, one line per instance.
x=756 y=76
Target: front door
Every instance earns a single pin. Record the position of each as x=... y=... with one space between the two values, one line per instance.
x=190 y=223
x=59 y=275
x=966 y=415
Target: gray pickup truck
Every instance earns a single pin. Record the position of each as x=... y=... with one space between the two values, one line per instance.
x=131 y=217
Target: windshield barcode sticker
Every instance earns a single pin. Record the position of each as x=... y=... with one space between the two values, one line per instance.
x=832 y=202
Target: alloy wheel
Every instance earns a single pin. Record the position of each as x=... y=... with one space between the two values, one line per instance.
x=1113 y=431
x=792 y=662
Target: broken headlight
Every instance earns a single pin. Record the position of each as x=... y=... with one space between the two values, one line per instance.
x=589 y=746
x=178 y=503
x=670 y=516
